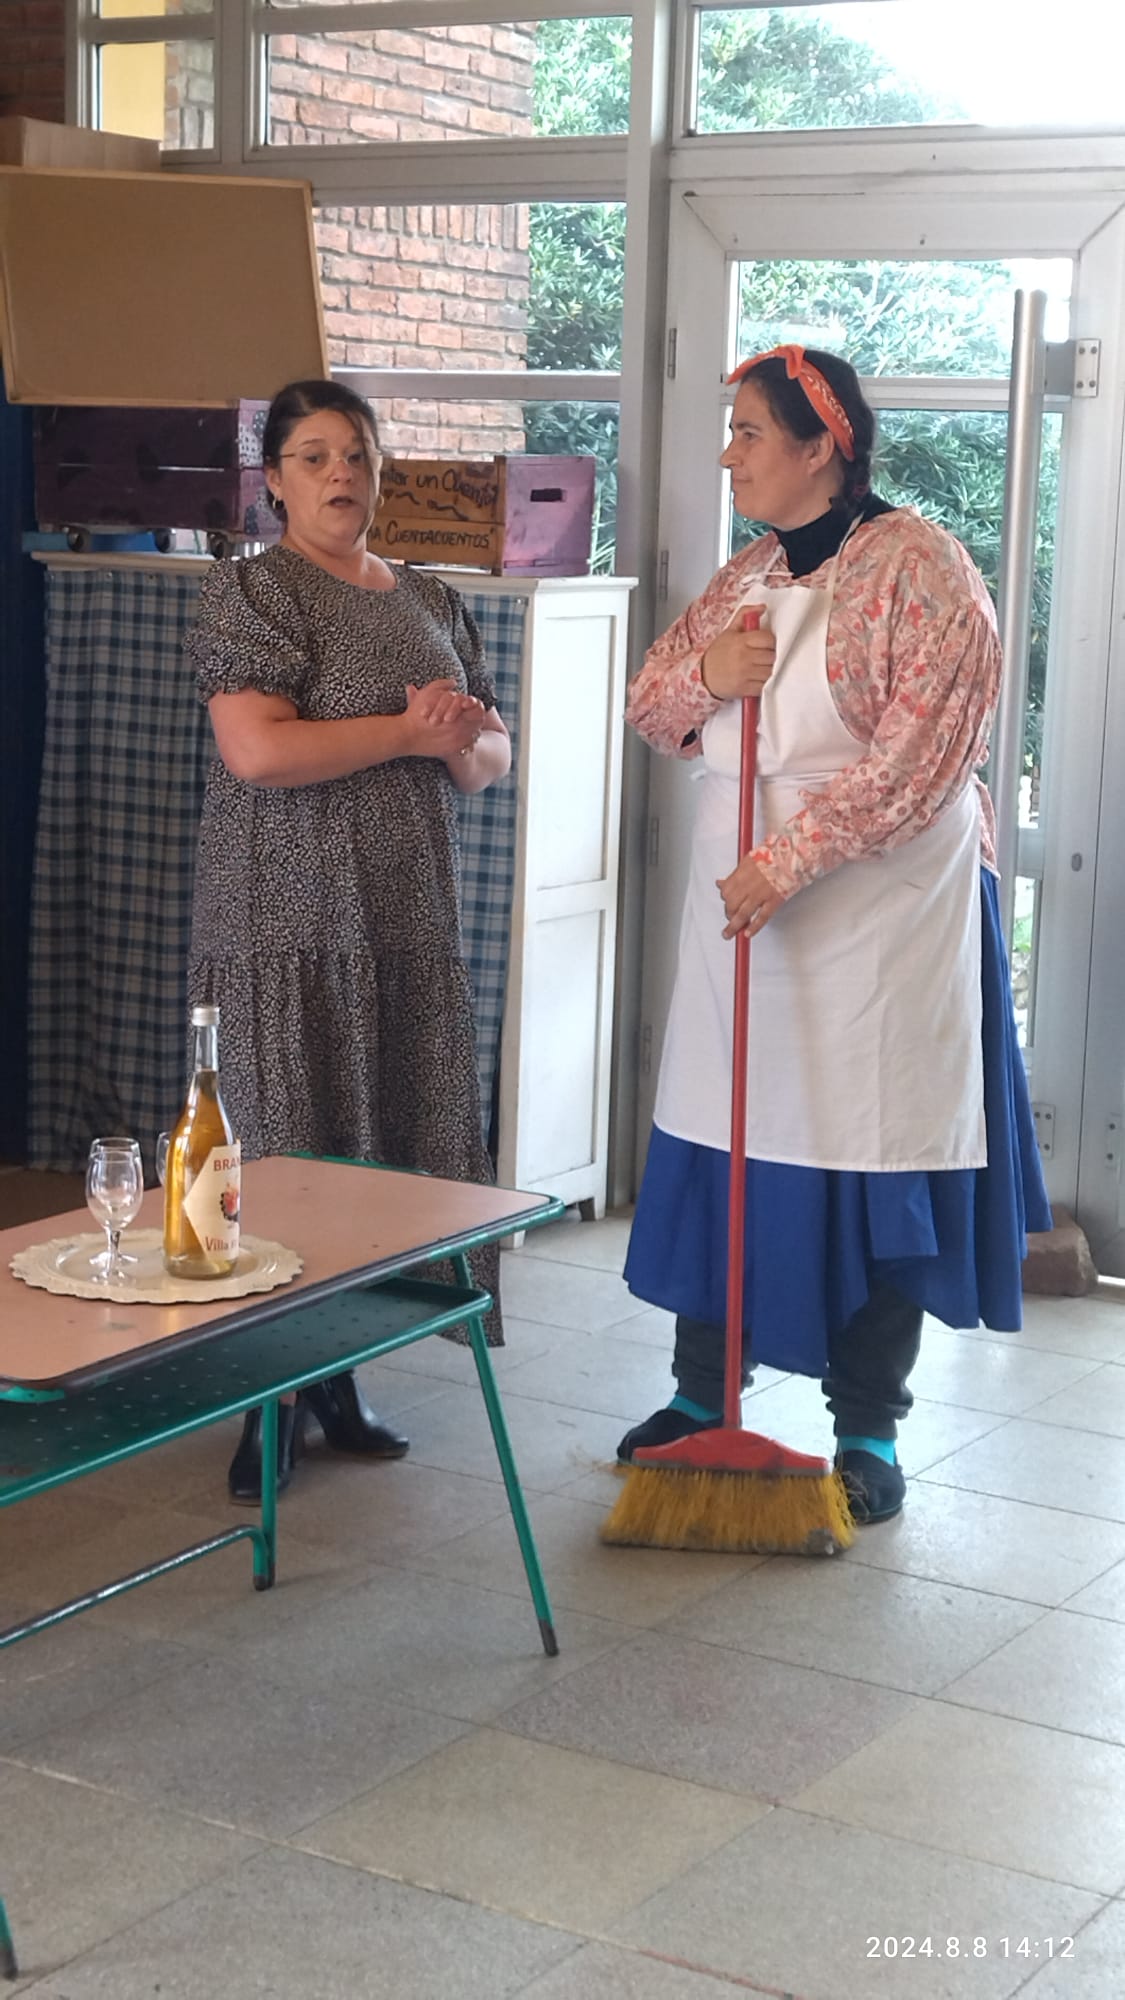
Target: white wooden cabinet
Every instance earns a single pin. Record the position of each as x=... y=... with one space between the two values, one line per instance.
x=558 y=1013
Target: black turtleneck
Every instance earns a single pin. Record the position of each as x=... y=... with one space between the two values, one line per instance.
x=807 y=547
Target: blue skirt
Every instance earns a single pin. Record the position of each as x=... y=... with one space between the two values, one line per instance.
x=816 y=1240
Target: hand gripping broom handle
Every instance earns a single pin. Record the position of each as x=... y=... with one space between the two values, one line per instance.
x=736 y=1213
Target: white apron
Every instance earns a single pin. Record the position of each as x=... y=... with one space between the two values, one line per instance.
x=865 y=987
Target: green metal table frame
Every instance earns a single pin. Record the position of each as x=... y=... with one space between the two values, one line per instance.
x=51 y=1437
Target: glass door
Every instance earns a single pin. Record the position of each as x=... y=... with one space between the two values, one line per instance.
x=931 y=336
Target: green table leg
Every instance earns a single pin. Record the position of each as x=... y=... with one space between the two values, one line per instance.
x=8 y=1967
x=500 y=1438
x=265 y=1558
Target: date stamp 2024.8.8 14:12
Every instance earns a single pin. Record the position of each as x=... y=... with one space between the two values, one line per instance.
x=1030 y=1949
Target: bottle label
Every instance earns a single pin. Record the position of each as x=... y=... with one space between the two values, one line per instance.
x=212 y=1201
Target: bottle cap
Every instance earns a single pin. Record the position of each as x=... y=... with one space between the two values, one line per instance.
x=204 y=1017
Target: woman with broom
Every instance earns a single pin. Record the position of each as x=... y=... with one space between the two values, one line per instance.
x=891 y=1159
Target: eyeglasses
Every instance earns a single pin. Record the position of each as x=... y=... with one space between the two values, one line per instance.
x=318 y=461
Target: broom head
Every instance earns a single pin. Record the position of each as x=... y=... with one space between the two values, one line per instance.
x=734 y=1491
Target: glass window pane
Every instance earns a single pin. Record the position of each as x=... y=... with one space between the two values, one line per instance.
x=496 y=82
x=863 y=63
x=950 y=465
x=491 y=285
x=159 y=90
x=119 y=10
x=934 y=317
x=1026 y=931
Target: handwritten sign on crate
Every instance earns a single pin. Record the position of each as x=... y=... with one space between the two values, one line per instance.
x=529 y=515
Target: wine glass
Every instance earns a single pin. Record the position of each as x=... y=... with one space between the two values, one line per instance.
x=163 y=1140
x=114 y=1188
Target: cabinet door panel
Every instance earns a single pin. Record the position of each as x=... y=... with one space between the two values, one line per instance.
x=562 y=999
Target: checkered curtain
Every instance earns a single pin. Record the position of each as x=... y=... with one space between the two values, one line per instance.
x=125 y=760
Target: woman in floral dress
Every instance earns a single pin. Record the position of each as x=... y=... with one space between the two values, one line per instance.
x=891 y=1160
x=349 y=703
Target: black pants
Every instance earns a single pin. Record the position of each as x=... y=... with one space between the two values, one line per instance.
x=869 y=1361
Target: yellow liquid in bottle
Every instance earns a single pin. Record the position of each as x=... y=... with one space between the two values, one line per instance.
x=203 y=1125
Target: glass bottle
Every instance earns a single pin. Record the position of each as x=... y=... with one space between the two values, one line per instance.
x=203 y=1170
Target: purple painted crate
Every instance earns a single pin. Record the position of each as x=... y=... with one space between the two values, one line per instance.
x=548 y=516
x=137 y=468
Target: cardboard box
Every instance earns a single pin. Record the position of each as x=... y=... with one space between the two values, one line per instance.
x=517 y=516
x=156 y=290
x=127 y=468
x=32 y=142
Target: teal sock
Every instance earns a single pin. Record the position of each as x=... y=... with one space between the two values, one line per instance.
x=696 y=1410
x=883 y=1448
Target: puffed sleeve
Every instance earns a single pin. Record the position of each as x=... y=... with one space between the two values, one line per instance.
x=248 y=633
x=470 y=650
x=667 y=702
x=935 y=624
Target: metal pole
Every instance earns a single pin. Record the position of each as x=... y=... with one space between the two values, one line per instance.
x=1016 y=580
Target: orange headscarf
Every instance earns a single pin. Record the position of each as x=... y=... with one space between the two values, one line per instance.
x=824 y=400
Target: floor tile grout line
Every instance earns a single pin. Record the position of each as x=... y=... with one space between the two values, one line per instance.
x=267 y=1843
x=114 y=1701
x=739 y=1982
x=587 y=1757
x=158 y=1909
x=949 y=1486
x=1032 y=1875
x=1093 y=1918
x=596 y=1936
x=1024 y=1722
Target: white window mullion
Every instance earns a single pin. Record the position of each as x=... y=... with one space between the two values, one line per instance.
x=238 y=95
x=480 y=385
x=96 y=28
x=419 y=15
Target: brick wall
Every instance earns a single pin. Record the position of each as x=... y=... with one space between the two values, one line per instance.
x=399 y=84
x=418 y=286
x=32 y=58
x=430 y=287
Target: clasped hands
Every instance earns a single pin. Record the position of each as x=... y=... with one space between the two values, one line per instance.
x=446 y=723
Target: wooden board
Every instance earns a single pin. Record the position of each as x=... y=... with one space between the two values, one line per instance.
x=190 y=290
x=435 y=510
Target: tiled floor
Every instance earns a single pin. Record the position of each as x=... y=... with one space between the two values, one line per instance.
x=738 y=1773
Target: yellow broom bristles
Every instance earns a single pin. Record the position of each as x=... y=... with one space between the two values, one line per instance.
x=737 y=1512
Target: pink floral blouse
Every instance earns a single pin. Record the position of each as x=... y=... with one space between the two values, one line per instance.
x=914 y=669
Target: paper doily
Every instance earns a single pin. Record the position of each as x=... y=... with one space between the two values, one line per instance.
x=64 y=1265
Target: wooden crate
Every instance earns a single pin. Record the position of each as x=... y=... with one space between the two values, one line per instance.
x=516 y=516
x=150 y=468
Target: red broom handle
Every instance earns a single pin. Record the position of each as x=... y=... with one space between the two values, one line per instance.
x=736 y=1213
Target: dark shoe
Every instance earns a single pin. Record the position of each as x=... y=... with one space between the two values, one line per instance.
x=348 y=1421
x=245 y=1476
x=875 y=1489
x=663 y=1427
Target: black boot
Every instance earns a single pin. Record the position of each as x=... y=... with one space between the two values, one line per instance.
x=348 y=1421
x=665 y=1426
x=245 y=1476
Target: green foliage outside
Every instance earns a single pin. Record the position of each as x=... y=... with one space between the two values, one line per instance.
x=763 y=71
